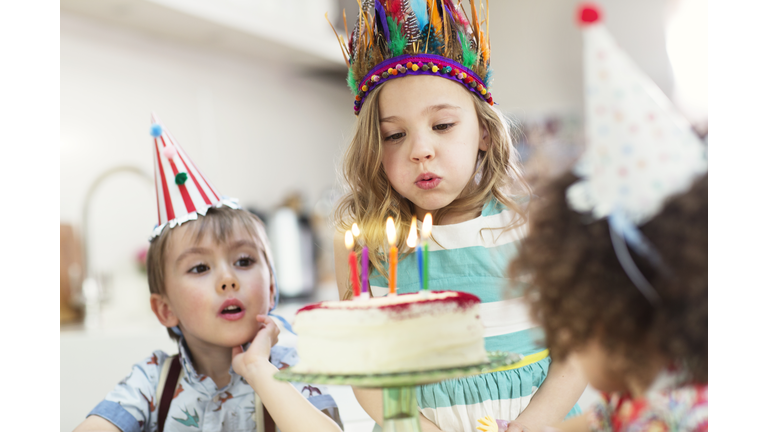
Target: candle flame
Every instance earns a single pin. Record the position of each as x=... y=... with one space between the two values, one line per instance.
x=391 y=232
x=426 y=227
x=349 y=240
x=355 y=230
x=413 y=238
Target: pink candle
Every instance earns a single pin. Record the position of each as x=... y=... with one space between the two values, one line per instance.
x=350 y=243
x=353 y=273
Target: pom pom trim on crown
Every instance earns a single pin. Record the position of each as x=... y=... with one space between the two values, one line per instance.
x=421 y=37
x=588 y=14
x=421 y=64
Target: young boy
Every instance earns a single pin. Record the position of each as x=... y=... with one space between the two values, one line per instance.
x=211 y=283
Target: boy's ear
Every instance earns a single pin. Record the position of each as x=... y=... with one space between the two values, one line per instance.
x=163 y=310
x=485 y=138
x=272 y=293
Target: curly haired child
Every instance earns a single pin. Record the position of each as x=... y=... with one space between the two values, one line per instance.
x=649 y=359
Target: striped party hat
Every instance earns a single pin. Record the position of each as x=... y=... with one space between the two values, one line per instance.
x=183 y=191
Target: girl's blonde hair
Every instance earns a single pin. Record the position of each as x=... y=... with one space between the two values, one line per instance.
x=370 y=198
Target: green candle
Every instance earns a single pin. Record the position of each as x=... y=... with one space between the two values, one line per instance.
x=426 y=231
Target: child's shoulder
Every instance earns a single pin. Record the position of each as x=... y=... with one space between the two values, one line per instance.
x=493 y=206
x=133 y=399
x=150 y=368
x=283 y=356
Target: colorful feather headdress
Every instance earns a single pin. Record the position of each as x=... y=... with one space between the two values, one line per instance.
x=393 y=38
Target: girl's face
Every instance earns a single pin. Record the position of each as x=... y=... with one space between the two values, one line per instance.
x=431 y=138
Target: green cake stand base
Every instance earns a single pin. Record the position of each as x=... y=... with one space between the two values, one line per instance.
x=401 y=412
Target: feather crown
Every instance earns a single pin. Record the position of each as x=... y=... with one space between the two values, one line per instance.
x=393 y=38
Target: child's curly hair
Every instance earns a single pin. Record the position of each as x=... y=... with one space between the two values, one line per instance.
x=577 y=288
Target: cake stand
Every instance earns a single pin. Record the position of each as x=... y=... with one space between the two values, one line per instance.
x=401 y=412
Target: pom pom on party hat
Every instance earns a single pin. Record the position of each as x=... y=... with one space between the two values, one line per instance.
x=183 y=191
x=639 y=150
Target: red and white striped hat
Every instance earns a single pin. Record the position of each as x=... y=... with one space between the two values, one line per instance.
x=183 y=191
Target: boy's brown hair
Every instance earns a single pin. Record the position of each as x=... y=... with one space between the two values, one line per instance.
x=217 y=221
x=579 y=291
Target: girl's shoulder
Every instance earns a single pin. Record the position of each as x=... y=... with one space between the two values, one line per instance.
x=493 y=206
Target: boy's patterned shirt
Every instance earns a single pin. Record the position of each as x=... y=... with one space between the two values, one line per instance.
x=197 y=403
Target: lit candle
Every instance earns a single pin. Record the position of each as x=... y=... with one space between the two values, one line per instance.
x=426 y=231
x=350 y=242
x=363 y=260
x=413 y=242
x=392 y=237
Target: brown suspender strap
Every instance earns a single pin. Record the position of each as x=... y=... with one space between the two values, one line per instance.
x=168 y=391
x=170 y=388
x=269 y=423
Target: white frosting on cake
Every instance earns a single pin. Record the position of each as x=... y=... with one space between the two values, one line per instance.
x=404 y=333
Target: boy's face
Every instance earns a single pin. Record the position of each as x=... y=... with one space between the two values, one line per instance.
x=215 y=289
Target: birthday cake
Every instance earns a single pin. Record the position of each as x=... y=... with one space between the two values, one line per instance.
x=403 y=333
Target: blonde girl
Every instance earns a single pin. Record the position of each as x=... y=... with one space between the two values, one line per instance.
x=429 y=140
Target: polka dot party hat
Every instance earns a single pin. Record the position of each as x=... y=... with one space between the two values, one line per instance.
x=638 y=149
x=183 y=191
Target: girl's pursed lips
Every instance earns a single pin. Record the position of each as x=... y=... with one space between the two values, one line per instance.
x=427 y=176
x=427 y=181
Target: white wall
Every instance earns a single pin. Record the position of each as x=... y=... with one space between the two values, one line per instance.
x=260 y=130
x=536 y=50
x=256 y=130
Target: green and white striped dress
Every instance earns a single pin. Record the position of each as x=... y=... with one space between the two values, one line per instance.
x=464 y=258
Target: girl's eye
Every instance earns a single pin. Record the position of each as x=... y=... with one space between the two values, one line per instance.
x=394 y=137
x=200 y=268
x=444 y=126
x=245 y=261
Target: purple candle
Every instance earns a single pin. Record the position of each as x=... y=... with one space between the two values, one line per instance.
x=364 y=275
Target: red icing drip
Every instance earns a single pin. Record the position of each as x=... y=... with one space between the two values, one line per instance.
x=461 y=299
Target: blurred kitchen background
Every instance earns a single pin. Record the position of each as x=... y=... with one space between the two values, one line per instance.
x=255 y=92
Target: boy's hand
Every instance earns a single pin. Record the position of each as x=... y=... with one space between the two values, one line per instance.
x=258 y=352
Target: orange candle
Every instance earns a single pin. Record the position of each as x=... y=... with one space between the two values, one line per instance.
x=392 y=237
